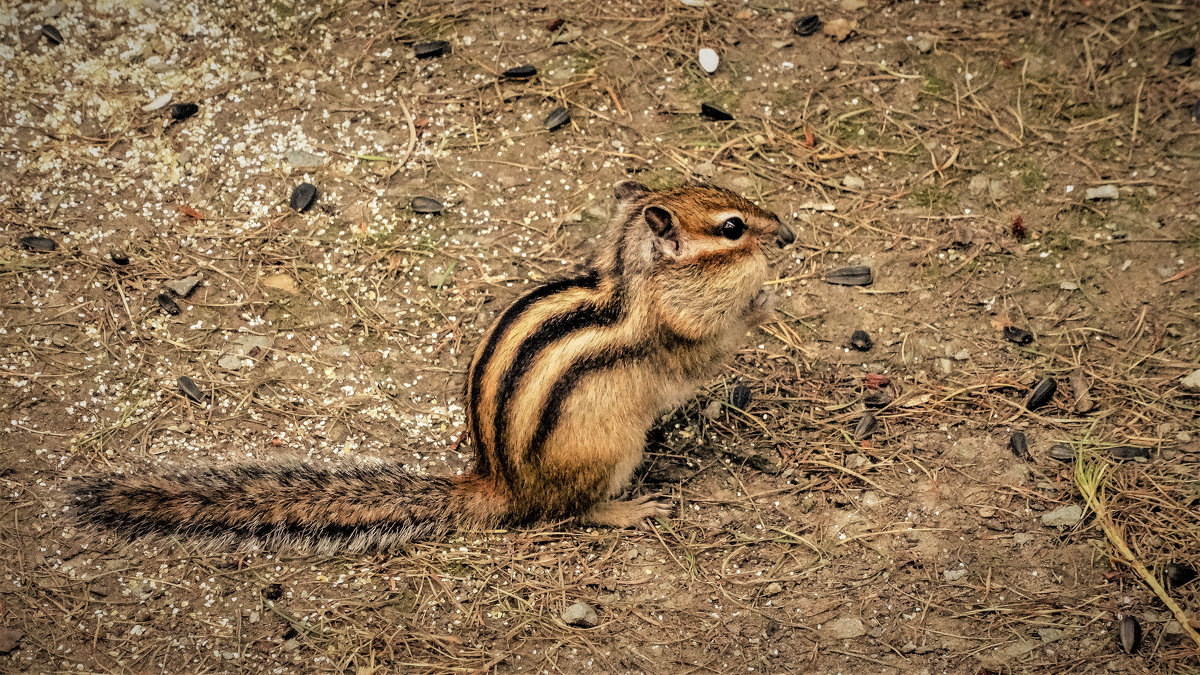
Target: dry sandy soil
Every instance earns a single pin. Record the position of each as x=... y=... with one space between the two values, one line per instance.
x=950 y=146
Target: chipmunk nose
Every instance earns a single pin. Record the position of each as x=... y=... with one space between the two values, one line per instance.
x=784 y=236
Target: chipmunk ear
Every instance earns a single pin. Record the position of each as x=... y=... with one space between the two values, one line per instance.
x=628 y=189
x=663 y=229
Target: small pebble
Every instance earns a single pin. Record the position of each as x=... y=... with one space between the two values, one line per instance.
x=580 y=615
x=428 y=50
x=183 y=287
x=1063 y=516
x=303 y=197
x=713 y=410
x=852 y=182
x=1102 y=192
x=708 y=60
x=1191 y=381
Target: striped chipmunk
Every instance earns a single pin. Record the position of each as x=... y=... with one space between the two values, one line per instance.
x=559 y=397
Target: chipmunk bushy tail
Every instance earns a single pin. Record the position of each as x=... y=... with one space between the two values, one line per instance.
x=349 y=506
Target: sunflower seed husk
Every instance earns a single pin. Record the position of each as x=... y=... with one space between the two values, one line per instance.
x=1019 y=445
x=1018 y=336
x=740 y=397
x=861 y=341
x=40 y=244
x=520 y=72
x=1178 y=574
x=806 y=25
x=182 y=111
x=1080 y=387
x=189 y=389
x=428 y=50
x=557 y=117
x=867 y=425
x=1124 y=452
x=1042 y=394
x=1130 y=632
x=1196 y=111
x=858 y=275
x=1182 y=56
x=877 y=399
x=423 y=204
x=1062 y=452
x=51 y=34
x=168 y=303
x=714 y=113
x=303 y=196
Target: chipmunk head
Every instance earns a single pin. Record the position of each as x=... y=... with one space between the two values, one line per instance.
x=699 y=245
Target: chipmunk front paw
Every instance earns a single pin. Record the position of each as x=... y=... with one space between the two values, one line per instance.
x=762 y=306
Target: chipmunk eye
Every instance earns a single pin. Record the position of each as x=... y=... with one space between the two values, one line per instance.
x=733 y=228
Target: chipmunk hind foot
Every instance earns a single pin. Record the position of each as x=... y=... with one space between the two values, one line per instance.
x=627 y=513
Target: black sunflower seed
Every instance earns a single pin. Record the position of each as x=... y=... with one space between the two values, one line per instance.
x=877 y=399
x=557 y=117
x=41 y=244
x=119 y=257
x=858 y=275
x=861 y=341
x=168 y=303
x=189 y=389
x=1019 y=445
x=1130 y=632
x=1062 y=452
x=303 y=197
x=714 y=113
x=1017 y=335
x=423 y=204
x=51 y=34
x=182 y=111
x=866 y=426
x=1124 y=452
x=428 y=50
x=1178 y=574
x=806 y=25
x=740 y=397
x=1182 y=56
x=1196 y=111
x=520 y=72
x=1042 y=394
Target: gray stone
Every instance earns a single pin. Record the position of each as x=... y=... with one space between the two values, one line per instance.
x=230 y=362
x=924 y=45
x=1049 y=634
x=853 y=182
x=773 y=588
x=954 y=575
x=184 y=287
x=1102 y=192
x=1063 y=516
x=713 y=410
x=845 y=628
x=304 y=160
x=1192 y=381
x=979 y=183
x=580 y=614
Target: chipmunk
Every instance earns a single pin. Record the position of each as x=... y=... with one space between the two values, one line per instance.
x=560 y=394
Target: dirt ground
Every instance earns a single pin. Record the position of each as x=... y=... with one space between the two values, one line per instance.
x=1031 y=164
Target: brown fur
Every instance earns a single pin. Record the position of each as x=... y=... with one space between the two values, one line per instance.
x=560 y=394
